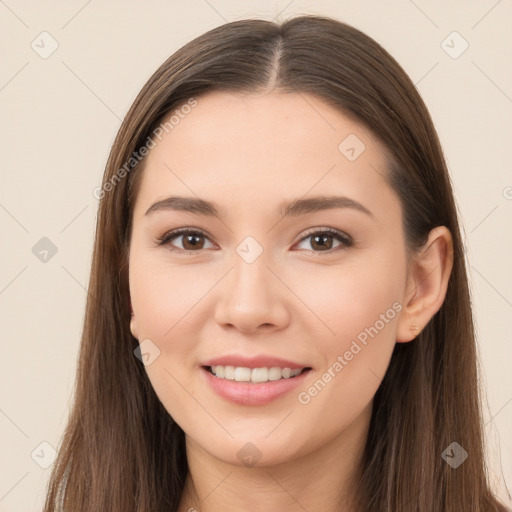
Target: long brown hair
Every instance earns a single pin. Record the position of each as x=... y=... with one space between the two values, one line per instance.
x=121 y=450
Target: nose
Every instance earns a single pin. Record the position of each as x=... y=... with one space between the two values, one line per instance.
x=252 y=298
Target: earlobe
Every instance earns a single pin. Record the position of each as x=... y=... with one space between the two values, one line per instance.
x=133 y=327
x=426 y=284
x=133 y=323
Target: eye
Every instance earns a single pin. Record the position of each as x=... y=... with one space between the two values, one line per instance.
x=192 y=239
x=323 y=239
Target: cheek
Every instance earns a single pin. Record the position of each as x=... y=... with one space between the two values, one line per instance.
x=163 y=299
x=163 y=295
x=361 y=307
x=348 y=299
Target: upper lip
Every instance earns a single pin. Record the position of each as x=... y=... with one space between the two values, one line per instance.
x=261 y=361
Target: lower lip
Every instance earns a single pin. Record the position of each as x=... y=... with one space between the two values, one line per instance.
x=253 y=393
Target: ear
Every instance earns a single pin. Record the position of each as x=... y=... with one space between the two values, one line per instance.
x=133 y=323
x=427 y=283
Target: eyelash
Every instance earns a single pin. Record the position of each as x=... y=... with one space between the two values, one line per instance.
x=345 y=240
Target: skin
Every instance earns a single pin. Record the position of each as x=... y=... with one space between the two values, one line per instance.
x=298 y=300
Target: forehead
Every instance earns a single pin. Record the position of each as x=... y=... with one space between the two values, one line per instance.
x=245 y=148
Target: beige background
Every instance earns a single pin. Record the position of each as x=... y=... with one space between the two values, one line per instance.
x=60 y=115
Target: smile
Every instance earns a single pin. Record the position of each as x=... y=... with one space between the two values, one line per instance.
x=256 y=375
x=253 y=386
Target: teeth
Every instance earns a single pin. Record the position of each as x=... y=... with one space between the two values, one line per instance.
x=274 y=373
x=243 y=374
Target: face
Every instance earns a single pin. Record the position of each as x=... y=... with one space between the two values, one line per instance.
x=318 y=290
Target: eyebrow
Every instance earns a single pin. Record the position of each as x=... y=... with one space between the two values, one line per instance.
x=292 y=208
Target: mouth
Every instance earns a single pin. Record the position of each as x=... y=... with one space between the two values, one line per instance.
x=255 y=375
x=258 y=386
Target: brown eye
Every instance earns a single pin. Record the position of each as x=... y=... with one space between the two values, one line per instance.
x=322 y=241
x=194 y=240
x=191 y=240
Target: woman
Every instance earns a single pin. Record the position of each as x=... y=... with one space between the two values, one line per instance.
x=278 y=314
